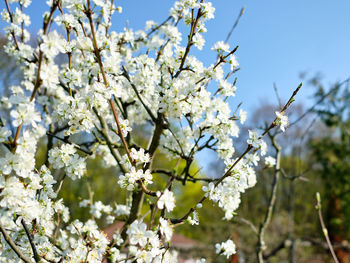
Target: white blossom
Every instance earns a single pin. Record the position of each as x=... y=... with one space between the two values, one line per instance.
x=148 y=82
x=270 y=161
x=282 y=120
x=66 y=157
x=165 y=229
x=166 y=200
x=221 y=47
x=227 y=248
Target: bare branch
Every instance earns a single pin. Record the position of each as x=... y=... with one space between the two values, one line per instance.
x=126 y=75
x=30 y=238
x=277 y=95
x=261 y=246
x=13 y=245
x=324 y=228
x=69 y=142
x=235 y=24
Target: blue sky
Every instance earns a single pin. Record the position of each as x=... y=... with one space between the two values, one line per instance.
x=277 y=40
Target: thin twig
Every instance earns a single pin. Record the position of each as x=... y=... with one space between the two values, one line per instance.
x=324 y=228
x=261 y=246
x=276 y=249
x=69 y=142
x=249 y=223
x=60 y=185
x=235 y=24
x=13 y=245
x=126 y=75
x=312 y=108
x=194 y=25
x=88 y=13
x=104 y=133
x=277 y=95
x=30 y=238
x=11 y=19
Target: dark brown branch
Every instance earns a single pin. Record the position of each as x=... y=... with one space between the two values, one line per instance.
x=274 y=251
x=126 y=75
x=178 y=178
x=189 y=43
x=30 y=238
x=69 y=142
x=104 y=133
x=11 y=19
x=13 y=245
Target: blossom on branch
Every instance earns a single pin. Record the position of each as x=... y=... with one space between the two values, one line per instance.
x=92 y=105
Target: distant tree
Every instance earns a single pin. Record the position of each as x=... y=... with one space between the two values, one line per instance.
x=331 y=153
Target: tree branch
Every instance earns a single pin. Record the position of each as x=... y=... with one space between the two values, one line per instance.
x=13 y=245
x=30 y=238
x=261 y=246
x=324 y=228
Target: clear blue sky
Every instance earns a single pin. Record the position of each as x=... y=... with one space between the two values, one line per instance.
x=277 y=40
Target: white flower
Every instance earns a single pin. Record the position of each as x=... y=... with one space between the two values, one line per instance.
x=98 y=208
x=193 y=220
x=242 y=116
x=115 y=254
x=25 y=114
x=263 y=148
x=221 y=47
x=254 y=139
x=252 y=159
x=227 y=248
x=122 y=210
x=270 y=161
x=282 y=120
x=125 y=127
x=165 y=229
x=227 y=89
x=53 y=43
x=140 y=155
x=166 y=200
x=208 y=10
x=138 y=233
x=66 y=157
x=129 y=179
x=198 y=41
x=233 y=62
x=257 y=142
x=4 y=134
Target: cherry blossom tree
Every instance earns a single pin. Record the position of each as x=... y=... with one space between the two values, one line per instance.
x=109 y=83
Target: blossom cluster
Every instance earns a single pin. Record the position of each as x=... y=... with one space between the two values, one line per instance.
x=67 y=158
x=88 y=105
